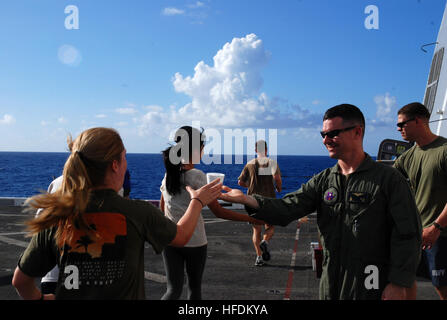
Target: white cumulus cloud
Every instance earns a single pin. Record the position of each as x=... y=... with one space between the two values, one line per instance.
x=228 y=94
x=7 y=119
x=386 y=108
x=62 y=120
x=197 y=4
x=128 y=110
x=171 y=11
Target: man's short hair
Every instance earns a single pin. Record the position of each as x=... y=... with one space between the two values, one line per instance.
x=414 y=109
x=348 y=112
x=261 y=145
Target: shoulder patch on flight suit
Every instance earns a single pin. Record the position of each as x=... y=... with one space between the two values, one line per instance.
x=331 y=196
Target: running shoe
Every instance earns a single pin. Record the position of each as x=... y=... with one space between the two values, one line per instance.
x=259 y=262
x=265 y=250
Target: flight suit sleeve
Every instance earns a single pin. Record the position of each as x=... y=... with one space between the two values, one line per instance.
x=406 y=233
x=291 y=207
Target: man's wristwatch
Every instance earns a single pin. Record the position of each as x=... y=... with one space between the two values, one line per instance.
x=437 y=226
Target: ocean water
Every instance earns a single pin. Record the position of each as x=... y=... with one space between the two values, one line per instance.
x=23 y=174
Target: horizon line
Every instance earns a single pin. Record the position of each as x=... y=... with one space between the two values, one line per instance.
x=158 y=153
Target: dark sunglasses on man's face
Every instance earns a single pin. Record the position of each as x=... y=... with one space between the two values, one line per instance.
x=334 y=133
x=403 y=123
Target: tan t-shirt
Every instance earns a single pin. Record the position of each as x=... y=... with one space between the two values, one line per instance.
x=258 y=175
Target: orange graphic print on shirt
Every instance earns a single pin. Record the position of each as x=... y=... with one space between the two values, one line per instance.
x=99 y=254
x=106 y=229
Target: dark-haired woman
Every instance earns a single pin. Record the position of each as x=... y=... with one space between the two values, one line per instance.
x=179 y=161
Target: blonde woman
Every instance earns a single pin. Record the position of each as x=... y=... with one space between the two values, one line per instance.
x=95 y=236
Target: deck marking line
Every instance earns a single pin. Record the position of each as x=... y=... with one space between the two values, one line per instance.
x=12 y=233
x=14 y=215
x=213 y=220
x=155 y=277
x=15 y=242
x=292 y=264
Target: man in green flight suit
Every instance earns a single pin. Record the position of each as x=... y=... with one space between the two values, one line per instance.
x=368 y=221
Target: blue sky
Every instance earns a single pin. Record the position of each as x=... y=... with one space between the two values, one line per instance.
x=148 y=67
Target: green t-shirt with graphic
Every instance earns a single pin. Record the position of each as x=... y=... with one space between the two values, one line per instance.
x=108 y=261
x=426 y=169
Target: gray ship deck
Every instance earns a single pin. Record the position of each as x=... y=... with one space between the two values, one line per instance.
x=230 y=273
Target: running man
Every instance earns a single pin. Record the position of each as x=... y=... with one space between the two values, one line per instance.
x=261 y=176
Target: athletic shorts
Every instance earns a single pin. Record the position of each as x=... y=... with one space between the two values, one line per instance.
x=433 y=263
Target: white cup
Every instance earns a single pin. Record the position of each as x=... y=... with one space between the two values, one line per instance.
x=211 y=176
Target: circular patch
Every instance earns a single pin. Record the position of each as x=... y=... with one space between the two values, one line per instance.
x=330 y=196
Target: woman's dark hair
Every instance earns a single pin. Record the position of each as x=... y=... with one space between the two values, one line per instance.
x=189 y=143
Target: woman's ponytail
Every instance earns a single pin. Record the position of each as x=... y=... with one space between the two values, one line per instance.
x=91 y=154
x=173 y=172
x=189 y=144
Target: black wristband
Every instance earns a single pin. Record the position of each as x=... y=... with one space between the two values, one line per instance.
x=199 y=201
x=438 y=226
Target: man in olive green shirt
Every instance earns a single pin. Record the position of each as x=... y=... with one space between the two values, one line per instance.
x=369 y=225
x=425 y=166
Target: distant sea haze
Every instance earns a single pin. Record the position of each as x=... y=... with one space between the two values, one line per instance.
x=24 y=174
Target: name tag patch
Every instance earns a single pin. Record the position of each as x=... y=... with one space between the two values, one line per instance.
x=358 y=197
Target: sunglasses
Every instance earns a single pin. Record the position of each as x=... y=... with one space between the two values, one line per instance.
x=403 y=123
x=334 y=133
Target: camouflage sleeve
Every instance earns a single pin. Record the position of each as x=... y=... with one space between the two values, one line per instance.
x=291 y=207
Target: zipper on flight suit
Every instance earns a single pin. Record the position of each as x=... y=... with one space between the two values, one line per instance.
x=344 y=182
x=355 y=227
